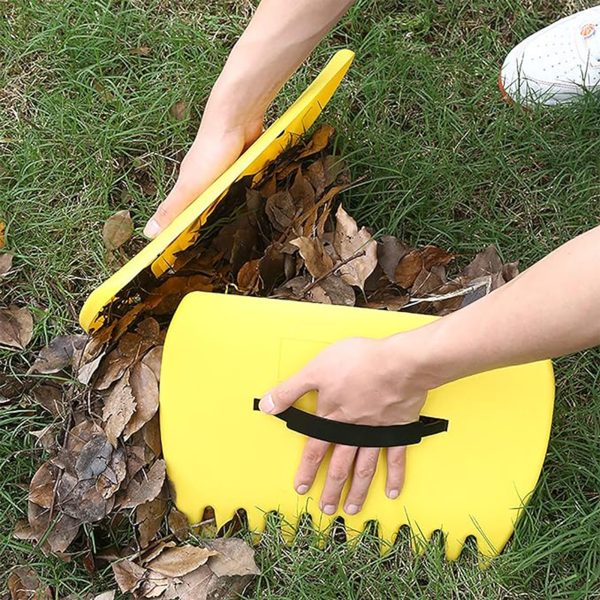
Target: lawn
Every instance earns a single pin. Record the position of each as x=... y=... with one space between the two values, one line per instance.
x=85 y=130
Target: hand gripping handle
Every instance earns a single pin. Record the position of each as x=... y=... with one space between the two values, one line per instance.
x=364 y=436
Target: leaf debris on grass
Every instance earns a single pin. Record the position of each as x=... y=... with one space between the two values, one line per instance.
x=286 y=236
x=16 y=327
x=117 y=230
x=6 y=262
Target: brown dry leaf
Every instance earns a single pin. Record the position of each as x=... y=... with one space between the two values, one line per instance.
x=62 y=533
x=268 y=187
x=80 y=435
x=144 y=388
x=153 y=360
x=128 y=575
x=304 y=197
x=351 y=242
x=233 y=565
x=319 y=141
x=335 y=170
x=281 y=210
x=51 y=398
x=119 y=407
x=181 y=560
x=271 y=266
x=151 y=435
x=6 y=261
x=117 y=230
x=132 y=346
x=58 y=354
x=318 y=262
x=178 y=110
x=247 y=277
x=94 y=457
x=149 y=517
x=332 y=290
x=317 y=177
x=12 y=388
x=193 y=586
x=435 y=257
x=97 y=463
x=23 y=583
x=41 y=488
x=254 y=204
x=81 y=500
x=106 y=596
x=294 y=288
x=510 y=271
x=145 y=486
x=178 y=524
x=426 y=282
x=244 y=242
x=135 y=460
x=153 y=586
x=109 y=482
x=38 y=519
x=408 y=269
x=486 y=262
x=324 y=205
x=2 y=234
x=47 y=437
x=16 y=327
x=149 y=329
x=88 y=370
x=23 y=531
x=390 y=251
x=233 y=557
x=141 y=51
x=155 y=550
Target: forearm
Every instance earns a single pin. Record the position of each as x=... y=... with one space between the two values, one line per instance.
x=279 y=37
x=551 y=309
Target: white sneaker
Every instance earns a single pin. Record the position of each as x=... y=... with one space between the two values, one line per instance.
x=557 y=64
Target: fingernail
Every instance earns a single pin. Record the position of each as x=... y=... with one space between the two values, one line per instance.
x=152 y=229
x=302 y=489
x=266 y=404
x=393 y=494
x=352 y=509
x=329 y=509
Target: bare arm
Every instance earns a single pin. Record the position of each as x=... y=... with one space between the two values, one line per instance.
x=551 y=309
x=279 y=37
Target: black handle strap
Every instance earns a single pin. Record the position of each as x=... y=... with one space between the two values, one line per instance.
x=364 y=436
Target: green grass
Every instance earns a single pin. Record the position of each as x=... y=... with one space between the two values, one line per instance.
x=85 y=127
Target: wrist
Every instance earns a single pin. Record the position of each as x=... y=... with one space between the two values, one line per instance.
x=423 y=357
x=243 y=92
x=227 y=108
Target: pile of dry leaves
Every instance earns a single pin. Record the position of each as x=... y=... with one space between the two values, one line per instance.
x=104 y=477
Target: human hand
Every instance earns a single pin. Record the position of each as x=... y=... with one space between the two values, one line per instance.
x=358 y=380
x=219 y=142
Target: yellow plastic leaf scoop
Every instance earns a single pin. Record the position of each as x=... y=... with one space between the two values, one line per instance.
x=473 y=460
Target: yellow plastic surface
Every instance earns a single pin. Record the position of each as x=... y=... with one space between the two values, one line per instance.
x=222 y=351
x=183 y=231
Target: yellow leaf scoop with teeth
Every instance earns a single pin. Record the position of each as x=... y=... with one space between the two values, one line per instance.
x=473 y=460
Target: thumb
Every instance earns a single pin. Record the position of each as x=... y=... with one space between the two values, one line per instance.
x=286 y=393
x=204 y=162
x=178 y=199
